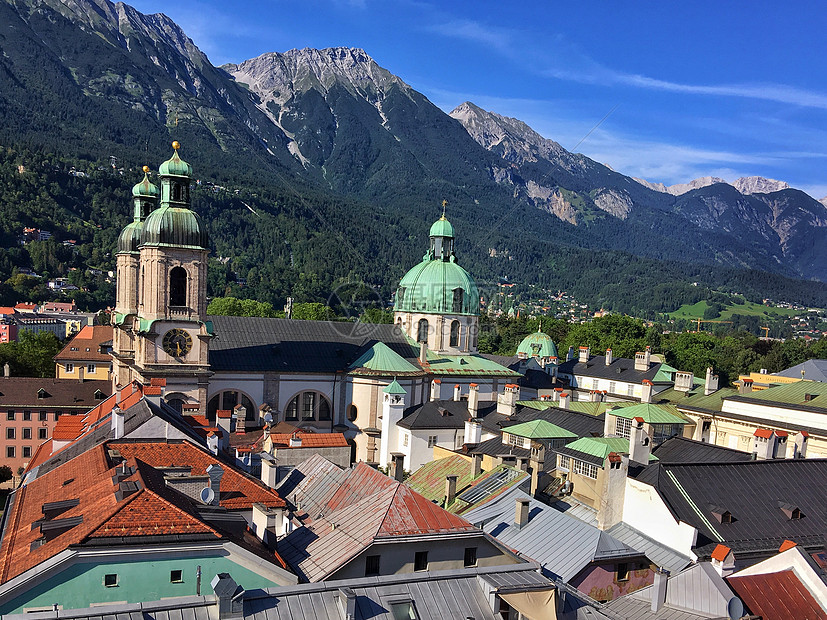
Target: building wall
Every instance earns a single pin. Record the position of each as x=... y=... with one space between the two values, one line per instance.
x=80 y=369
x=81 y=584
x=600 y=581
x=24 y=448
x=444 y=553
x=782 y=415
x=644 y=510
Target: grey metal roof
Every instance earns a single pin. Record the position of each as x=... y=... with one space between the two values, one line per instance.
x=683 y=450
x=697 y=592
x=496 y=447
x=451 y=414
x=289 y=345
x=437 y=595
x=814 y=370
x=660 y=554
x=563 y=545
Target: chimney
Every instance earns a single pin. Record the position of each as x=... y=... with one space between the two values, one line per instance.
x=565 y=398
x=609 y=357
x=450 y=490
x=346 y=598
x=240 y=412
x=117 y=422
x=646 y=391
x=230 y=597
x=473 y=431
x=639 y=443
x=570 y=354
x=711 y=383
x=538 y=457
x=610 y=507
x=746 y=386
x=457 y=392
x=6 y=370
x=723 y=560
x=642 y=359
x=223 y=418
x=521 y=513
x=595 y=396
x=215 y=472
x=423 y=353
x=684 y=381
x=584 y=355
x=659 y=588
x=80 y=373
x=295 y=440
x=507 y=401
x=212 y=442
x=473 y=399
x=476 y=465
x=609 y=423
x=800 y=445
x=435 y=385
x=268 y=523
x=397 y=466
x=269 y=470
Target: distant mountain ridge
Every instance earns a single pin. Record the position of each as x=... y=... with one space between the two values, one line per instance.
x=334 y=122
x=745 y=185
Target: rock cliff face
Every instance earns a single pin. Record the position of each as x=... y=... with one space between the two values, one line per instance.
x=759 y=185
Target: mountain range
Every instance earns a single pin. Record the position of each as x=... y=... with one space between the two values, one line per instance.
x=365 y=156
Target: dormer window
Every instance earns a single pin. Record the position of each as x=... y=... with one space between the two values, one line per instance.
x=793 y=513
x=721 y=515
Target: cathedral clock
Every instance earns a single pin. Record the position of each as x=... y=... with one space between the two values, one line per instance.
x=177 y=342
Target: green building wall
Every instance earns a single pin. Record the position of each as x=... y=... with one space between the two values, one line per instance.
x=82 y=584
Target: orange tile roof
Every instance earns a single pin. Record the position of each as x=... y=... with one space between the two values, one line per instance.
x=90 y=337
x=310 y=440
x=224 y=413
x=158 y=382
x=152 y=390
x=238 y=491
x=721 y=552
x=787 y=544
x=763 y=432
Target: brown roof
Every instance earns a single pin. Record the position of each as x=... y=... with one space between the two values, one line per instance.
x=86 y=345
x=777 y=596
x=19 y=392
x=310 y=440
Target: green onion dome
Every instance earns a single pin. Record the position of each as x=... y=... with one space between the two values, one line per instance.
x=130 y=238
x=175 y=166
x=442 y=228
x=538 y=344
x=438 y=286
x=145 y=188
x=174 y=227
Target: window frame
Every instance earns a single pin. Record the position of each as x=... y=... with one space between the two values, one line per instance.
x=420 y=561
x=373 y=565
x=180 y=576
x=108 y=582
x=470 y=558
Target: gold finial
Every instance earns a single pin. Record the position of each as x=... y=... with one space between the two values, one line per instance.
x=444 y=204
x=176 y=145
x=146 y=169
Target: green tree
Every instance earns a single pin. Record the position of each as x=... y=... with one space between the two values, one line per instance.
x=5 y=473
x=313 y=312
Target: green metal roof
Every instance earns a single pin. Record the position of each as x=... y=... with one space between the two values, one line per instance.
x=381 y=359
x=460 y=365
x=538 y=344
x=441 y=228
x=793 y=394
x=130 y=238
x=539 y=429
x=651 y=414
x=579 y=406
x=145 y=189
x=394 y=388
x=175 y=166
x=664 y=373
x=174 y=227
x=429 y=288
x=696 y=399
x=602 y=446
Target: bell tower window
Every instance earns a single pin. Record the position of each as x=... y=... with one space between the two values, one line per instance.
x=176 y=192
x=454 y=333
x=458 y=298
x=178 y=286
x=422 y=332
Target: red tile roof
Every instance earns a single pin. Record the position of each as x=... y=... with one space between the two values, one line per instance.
x=763 y=432
x=310 y=440
x=158 y=382
x=91 y=337
x=224 y=413
x=777 y=596
x=721 y=552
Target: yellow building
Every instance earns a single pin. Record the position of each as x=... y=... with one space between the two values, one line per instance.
x=86 y=356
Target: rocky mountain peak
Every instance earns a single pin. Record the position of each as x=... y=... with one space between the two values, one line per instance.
x=759 y=185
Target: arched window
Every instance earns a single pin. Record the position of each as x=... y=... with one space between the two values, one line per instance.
x=454 y=333
x=352 y=413
x=308 y=407
x=352 y=445
x=178 y=286
x=228 y=399
x=422 y=332
x=458 y=296
x=176 y=192
x=400 y=296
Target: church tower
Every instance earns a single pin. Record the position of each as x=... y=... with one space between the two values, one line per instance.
x=437 y=302
x=169 y=332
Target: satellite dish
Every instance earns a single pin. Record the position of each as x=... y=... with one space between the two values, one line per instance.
x=735 y=608
x=207 y=495
x=268 y=417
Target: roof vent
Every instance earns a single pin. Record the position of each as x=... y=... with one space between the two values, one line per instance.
x=52 y=509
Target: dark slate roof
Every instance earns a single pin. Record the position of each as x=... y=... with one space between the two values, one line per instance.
x=496 y=447
x=751 y=492
x=288 y=345
x=683 y=450
x=451 y=414
x=596 y=367
x=532 y=377
x=20 y=392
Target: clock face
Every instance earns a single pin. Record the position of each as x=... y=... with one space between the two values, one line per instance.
x=177 y=342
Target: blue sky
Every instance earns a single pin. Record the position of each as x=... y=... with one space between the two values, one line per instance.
x=691 y=89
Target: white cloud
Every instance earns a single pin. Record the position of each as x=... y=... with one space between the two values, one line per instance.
x=470 y=30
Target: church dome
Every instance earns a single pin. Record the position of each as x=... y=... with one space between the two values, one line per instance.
x=130 y=238
x=442 y=228
x=538 y=344
x=145 y=189
x=175 y=166
x=174 y=226
x=430 y=288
